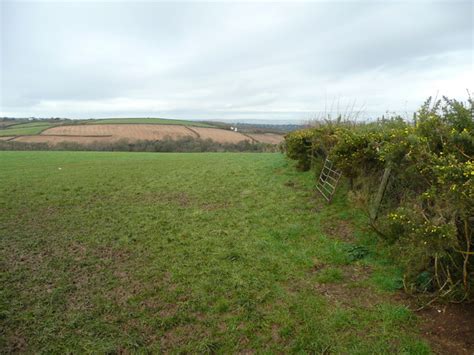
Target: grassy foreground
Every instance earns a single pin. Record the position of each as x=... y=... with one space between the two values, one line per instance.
x=110 y=252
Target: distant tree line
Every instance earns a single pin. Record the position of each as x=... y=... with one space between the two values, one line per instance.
x=267 y=128
x=185 y=144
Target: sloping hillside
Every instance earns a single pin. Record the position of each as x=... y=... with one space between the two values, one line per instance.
x=90 y=133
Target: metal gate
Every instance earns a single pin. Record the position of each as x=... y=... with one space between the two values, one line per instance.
x=328 y=180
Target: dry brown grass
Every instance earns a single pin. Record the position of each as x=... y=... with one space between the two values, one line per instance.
x=120 y=131
x=269 y=138
x=220 y=135
x=86 y=134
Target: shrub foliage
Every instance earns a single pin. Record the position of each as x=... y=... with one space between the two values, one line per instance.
x=427 y=212
x=185 y=144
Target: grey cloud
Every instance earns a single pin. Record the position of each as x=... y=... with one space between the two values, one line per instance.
x=210 y=60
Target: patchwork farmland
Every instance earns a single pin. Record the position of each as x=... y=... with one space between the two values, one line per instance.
x=113 y=130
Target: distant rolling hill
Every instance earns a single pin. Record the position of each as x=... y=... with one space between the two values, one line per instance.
x=131 y=129
x=146 y=120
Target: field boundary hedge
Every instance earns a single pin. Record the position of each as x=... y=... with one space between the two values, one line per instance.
x=427 y=211
x=185 y=144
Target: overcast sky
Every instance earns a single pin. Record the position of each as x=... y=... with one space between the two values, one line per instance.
x=225 y=60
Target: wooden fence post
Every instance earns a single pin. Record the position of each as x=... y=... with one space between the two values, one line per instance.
x=378 y=198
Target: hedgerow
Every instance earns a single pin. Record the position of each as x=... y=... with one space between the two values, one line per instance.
x=181 y=145
x=427 y=211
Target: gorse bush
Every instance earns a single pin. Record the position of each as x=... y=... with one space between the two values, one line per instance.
x=298 y=147
x=427 y=211
x=316 y=142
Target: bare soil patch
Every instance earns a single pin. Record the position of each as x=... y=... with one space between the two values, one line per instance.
x=122 y=131
x=342 y=295
x=182 y=334
x=87 y=134
x=348 y=292
x=342 y=230
x=220 y=135
x=269 y=138
x=193 y=132
x=449 y=328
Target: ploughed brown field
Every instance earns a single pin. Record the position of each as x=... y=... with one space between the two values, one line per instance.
x=267 y=137
x=86 y=134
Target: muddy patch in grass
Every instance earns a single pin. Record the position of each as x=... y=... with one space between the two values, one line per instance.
x=449 y=328
x=186 y=333
x=343 y=295
x=15 y=344
x=346 y=290
x=341 y=230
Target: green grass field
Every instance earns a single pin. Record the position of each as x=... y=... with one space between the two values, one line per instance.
x=25 y=129
x=117 y=252
x=149 y=121
x=4 y=124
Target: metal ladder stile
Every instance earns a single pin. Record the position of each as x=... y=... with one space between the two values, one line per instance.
x=328 y=180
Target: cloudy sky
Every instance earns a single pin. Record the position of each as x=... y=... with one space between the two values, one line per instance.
x=231 y=60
